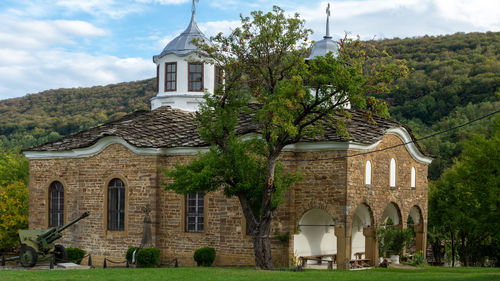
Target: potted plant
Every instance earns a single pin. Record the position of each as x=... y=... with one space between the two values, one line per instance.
x=397 y=242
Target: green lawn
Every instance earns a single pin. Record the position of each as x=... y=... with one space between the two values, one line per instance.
x=197 y=273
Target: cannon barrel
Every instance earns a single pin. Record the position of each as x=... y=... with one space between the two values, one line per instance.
x=84 y=215
x=51 y=231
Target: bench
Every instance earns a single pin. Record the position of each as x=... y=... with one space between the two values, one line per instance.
x=319 y=259
x=359 y=263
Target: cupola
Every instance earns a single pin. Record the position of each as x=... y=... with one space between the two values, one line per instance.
x=321 y=48
x=182 y=77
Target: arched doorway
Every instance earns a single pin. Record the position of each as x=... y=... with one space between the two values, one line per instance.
x=416 y=221
x=316 y=234
x=363 y=244
x=360 y=219
x=392 y=214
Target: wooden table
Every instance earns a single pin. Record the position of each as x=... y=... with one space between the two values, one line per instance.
x=319 y=259
x=359 y=263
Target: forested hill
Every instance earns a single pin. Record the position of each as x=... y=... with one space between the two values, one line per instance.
x=455 y=78
x=448 y=71
x=38 y=118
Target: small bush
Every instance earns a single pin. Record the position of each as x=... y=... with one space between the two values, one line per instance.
x=147 y=257
x=75 y=255
x=418 y=258
x=204 y=256
x=129 y=254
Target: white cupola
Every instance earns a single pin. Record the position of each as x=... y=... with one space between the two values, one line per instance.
x=322 y=47
x=182 y=77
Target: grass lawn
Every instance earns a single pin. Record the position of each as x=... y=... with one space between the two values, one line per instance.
x=198 y=273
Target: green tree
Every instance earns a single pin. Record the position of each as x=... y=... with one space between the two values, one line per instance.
x=267 y=78
x=466 y=198
x=13 y=213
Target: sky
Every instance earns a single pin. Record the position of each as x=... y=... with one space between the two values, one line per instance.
x=51 y=44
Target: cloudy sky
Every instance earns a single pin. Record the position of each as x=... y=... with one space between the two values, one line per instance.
x=50 y=44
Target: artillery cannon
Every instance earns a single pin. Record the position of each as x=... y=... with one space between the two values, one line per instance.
x=38 y=245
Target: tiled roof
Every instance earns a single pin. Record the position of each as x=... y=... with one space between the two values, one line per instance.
x=166 y=127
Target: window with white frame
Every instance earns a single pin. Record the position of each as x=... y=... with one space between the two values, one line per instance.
x=392 y=168
x=413 y=177
x=368 y=172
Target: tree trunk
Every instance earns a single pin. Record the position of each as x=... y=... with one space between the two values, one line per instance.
x=262 y=246
x=452 y=235
x=260 y=231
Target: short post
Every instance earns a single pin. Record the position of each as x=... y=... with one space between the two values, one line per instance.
x=176 y=263
x=104 y=265
x=51 y=265
x=3 y=259
x=90 y=260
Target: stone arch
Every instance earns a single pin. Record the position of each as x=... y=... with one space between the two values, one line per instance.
x=304 y=208
x=392 y=211
x=416 y=215
x=316 y=235
x=362 y=219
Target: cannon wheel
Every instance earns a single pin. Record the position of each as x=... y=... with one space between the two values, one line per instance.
x=28 y=256
x=60 y=253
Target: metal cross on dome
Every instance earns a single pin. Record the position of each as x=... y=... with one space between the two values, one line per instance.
x=194 y=6
x=328 y=14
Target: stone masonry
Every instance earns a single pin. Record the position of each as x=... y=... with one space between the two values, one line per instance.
x=335 y=186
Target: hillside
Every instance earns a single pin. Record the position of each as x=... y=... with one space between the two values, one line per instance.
x=38 y=118
x=454 y=79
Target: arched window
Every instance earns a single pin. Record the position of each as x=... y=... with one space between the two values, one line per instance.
x=413 y=177
x=56 y=204
x=116 y=205
x=392 y=181
x=368 y=173
x=195 y=218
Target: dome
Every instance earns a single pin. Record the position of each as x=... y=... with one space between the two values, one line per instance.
x=321 y=48
x=182 y=45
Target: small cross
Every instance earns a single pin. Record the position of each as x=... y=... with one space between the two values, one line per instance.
x=194 y=6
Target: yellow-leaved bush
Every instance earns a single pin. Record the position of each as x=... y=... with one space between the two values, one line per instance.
x=13 y=213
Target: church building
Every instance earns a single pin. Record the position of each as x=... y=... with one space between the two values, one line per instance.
x=113 y=172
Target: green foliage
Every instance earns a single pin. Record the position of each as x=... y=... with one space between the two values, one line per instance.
x=267 y=78
x=283 y=238
x=13 y=167
x=38 y=118
x=75 y=255
x=13 y=213
x=392 y=240
x=464 y=202
x=204 y=256
x=418 y=259
x=130 y=253
x=148 y=257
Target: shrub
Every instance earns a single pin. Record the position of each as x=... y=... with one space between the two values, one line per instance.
x=204 y=256
x=147 y=257
x=418 y=258
x=75 y=255
x=13 y=212
x=129 y=254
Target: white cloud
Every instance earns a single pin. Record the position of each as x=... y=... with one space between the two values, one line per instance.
x=213 y=28
x=33 y=57
x=22 y=34
x=402 y=18
x=52 y=69
x=163 y=2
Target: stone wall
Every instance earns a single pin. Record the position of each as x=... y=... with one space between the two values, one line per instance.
x=335 y=186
